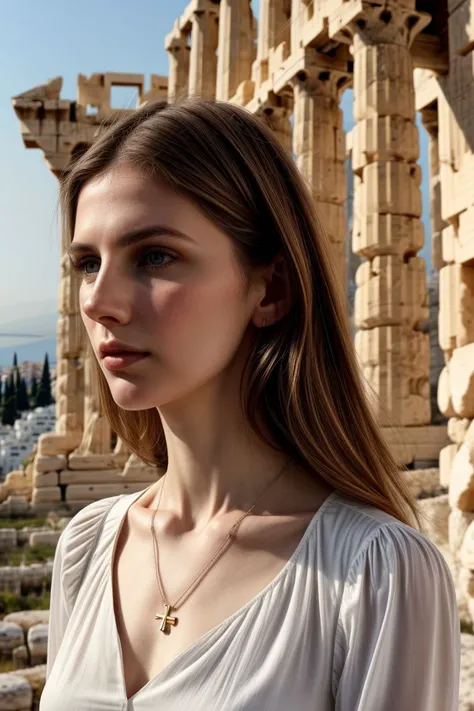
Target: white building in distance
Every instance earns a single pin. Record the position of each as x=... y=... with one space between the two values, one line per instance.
x=17 y=442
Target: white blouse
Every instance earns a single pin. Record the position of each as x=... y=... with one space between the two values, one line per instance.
x=362 y=617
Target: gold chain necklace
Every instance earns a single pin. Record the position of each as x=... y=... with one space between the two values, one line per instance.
x=166 y=618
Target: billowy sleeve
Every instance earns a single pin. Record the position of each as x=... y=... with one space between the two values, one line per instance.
x=59 y=606
x=70 y=558
x=398 y=637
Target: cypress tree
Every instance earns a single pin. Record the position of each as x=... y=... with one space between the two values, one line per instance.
x=22 y=396
x=10 y=412
x=33 y=391
x=44 y=396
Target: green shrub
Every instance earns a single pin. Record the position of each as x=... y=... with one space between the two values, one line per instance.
x=35 y=600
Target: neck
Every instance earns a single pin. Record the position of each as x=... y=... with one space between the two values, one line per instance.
x=216 y=463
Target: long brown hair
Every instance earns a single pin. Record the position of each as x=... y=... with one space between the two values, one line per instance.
x=303 y=378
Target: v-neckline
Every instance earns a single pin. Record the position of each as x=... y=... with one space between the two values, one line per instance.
x=221 y=625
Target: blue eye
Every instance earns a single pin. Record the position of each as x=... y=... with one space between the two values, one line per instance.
x=152 y=259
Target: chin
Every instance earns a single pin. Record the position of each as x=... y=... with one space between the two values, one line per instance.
x=131 y=396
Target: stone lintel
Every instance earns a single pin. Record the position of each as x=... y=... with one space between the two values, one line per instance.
x=428 y=52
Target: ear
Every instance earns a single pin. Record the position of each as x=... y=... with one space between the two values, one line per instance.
x=276 y=300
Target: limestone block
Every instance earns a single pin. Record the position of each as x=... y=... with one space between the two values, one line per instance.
x=444 y=399
x=17 y=482
x=384 y=138
x=44 y=538
x=456 y=316
x=385 y=234
x=10 y=579
x=91 y=461
x=326 y=178
x=19 y=656
x=11 y=635
x=466 y=553
x=461 y=380
x=461 y=487
x=51 y=444
x=435 y=511
x=95 y=492
x=42 y=479
x=458 y=523
x=70 y=383
x=48 y=464
x=390 y=187
x=35 y=574
x=70 y=336
x=8 y=539
x=46 y=495
x=391 y=292
x=68 y=302
x=457 y=429
x=16 y=693
x=19 y=505
x=422 y=481
x=449 y=243
x=37 y=640
x=23 y=534
x=392 y=355
x=446 y=459
x=91 y=476
x=383 y=77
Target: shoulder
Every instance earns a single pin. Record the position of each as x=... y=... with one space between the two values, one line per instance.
x=77 y=539
x=396 y=593
x=82 y=527
x=359 y=536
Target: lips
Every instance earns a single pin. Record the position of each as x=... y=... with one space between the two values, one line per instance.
x=119 y=360
x=114 y=346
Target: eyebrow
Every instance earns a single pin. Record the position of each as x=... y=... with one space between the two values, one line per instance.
x=133 y=237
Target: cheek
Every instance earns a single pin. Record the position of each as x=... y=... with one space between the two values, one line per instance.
x=201 y=321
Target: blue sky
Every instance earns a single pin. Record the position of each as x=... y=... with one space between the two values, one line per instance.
x=41 y=40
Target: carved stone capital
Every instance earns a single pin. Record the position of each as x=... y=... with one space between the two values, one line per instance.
x=371 y=24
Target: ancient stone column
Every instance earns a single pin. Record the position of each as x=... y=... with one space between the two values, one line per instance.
x=319 y=146
x=273 y=29
x=203 y=60
x=429 y=118
x=236 y=46
x=391 y=303
x=176 y=45
x=69 y=355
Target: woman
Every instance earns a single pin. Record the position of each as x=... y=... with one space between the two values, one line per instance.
x=275 y=564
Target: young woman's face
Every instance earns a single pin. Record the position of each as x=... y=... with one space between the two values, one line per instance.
x=161 y=278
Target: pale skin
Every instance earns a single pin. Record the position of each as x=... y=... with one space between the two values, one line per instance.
x=197 y=322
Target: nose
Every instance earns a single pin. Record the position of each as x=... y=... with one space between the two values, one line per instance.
x=108 y=299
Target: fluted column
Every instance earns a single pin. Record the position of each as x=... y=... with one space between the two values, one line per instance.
x=318 y=143
x=273 y=29
x=391 y=301
x=69 y=356
x=430 y=122
x=236 y=47
x=178 y=55
x=203 y=60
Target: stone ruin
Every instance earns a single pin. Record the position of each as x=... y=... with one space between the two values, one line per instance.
x=291 y=69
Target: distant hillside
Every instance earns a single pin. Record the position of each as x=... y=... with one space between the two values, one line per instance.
x=29 y=351
x=29 y=336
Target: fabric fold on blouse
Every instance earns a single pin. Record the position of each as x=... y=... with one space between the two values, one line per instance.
x=362 y=617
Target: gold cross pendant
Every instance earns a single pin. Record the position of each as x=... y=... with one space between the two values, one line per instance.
x=166 y=619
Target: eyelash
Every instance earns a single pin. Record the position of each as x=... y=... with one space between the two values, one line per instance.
x=79 y=265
